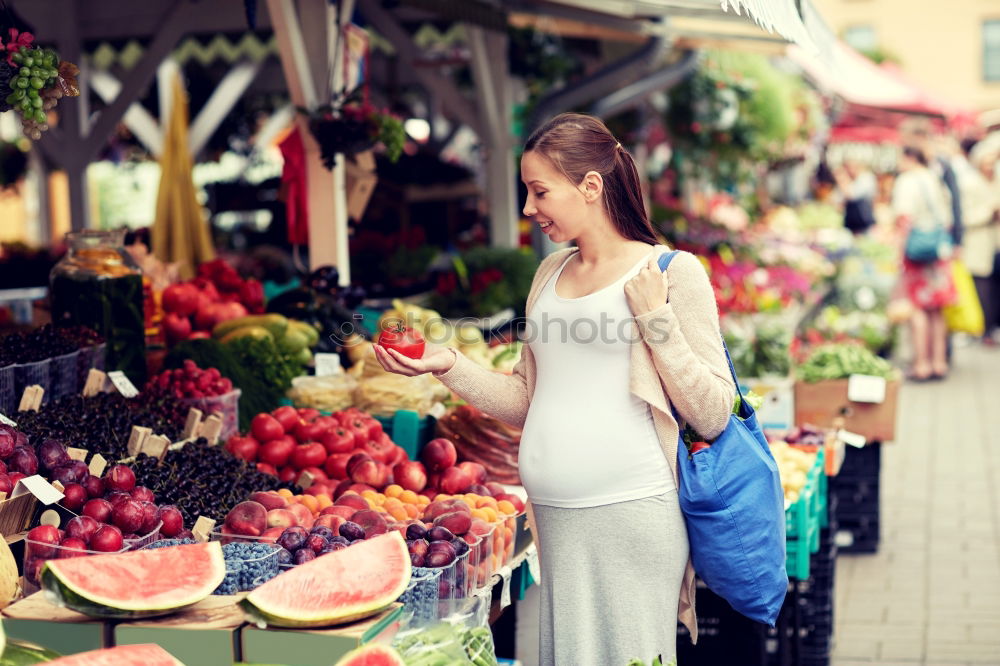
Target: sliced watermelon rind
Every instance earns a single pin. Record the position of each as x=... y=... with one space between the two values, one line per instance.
x=392 y=658
x=147 y=654
x=261 y=608
x=95 y=604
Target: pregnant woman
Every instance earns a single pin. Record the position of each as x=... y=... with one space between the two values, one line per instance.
x=613 y=347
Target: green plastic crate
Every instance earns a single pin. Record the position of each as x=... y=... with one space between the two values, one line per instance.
x=797 y=560
x=408 y=430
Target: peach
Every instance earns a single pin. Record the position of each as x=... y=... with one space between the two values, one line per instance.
x=271 y=534
x=439 y=454
x=269 y=499
x=511 y=499
x=353 y=500
x=495 y=488
x=343 y=511
x=330 y=520
x=248 y=518
x=455 y=480
x=303 y=515
x=410 y=475
x=372 y=522
x=475 y=471
x=479 y=527
x=457 y=522
x=281 y=518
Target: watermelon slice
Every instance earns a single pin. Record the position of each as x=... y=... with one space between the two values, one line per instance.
x=146 y=654
x=141 y=583
x=372 y=655
x=338 y=587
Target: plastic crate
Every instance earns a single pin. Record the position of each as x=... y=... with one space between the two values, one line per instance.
x=726 y=637
x=797 y=559
x=32 y=374
x=802 y=519
x=227 y=404
x=409 y=430
x=64 y=378
x=8 y=393
x=36 y=553
x=422 y=594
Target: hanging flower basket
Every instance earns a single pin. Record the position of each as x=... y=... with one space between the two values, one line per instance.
x=350 y=126
x=32 y=80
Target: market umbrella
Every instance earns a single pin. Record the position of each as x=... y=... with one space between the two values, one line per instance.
x=180 y=233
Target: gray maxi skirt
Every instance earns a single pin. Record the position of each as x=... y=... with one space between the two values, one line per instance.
x=611 y=579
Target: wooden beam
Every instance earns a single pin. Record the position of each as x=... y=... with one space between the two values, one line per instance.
x=457 y=105
x=223 y=99
x=139 y=121
x=325 y=196
x=489 y=68
x=179 y=18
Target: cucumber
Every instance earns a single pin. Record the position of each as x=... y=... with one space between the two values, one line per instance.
x=275 y=323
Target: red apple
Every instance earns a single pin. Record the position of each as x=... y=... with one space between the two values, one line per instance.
x=180 y=299
x=176 y=327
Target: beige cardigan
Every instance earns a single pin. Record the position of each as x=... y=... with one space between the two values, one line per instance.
x=686 y=368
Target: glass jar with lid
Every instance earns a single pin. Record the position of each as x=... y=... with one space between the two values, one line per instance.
x=98 y=284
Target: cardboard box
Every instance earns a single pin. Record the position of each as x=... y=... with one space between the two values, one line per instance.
x=39 y=621
x=821 y=403
x=317 y=647
x=206 y=633
x=359 y=181
x=777 y=414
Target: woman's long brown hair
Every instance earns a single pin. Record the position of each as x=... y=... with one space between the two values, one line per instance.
x=577 y=143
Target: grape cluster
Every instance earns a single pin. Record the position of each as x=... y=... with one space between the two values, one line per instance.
x=33 y=89
x=203 y=480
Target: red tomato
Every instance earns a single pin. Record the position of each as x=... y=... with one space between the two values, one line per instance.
x=265 y=428
x=336 y=465
x=288 y=474
x=406 y=341
x=243 y=447
x=337 y=440
x=267 y=469
x=360 y=429
x=698 y=446
x=382 y=450
x=308 y=432
x=287 y=417
x=308 y=413
x=308 y=455
x=277 y=451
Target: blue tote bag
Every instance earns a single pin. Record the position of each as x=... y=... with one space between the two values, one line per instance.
x=734 y=509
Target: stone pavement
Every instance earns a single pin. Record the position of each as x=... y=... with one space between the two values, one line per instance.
x=931 y=595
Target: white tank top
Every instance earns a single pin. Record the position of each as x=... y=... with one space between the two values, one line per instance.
x=587 y=441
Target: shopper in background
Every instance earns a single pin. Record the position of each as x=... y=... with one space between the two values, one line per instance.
x=858 y=187
x=598 y=461
x=920 y=201
x=920 y=136
x=980 y=201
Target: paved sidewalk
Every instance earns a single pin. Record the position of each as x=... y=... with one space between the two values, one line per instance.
x=931 y=595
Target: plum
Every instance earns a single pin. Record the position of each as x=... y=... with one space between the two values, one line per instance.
x=322 y=531
x=415 y=531
x=52 y=454
x=303 y=555
x=438 y=533
x=352 y=531
x=293 y=538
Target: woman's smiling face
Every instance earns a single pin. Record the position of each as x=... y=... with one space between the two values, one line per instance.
x=557 y=205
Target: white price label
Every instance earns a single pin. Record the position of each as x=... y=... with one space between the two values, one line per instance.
x=866 y=388
x=327 y=364
x=42 y=489
x=123 y=384
x=437 y=410
x=505 y=574
x=6 y=421
x=531 y=557
x=852 y=438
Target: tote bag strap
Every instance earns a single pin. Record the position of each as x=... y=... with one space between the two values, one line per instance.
x=663 y=262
